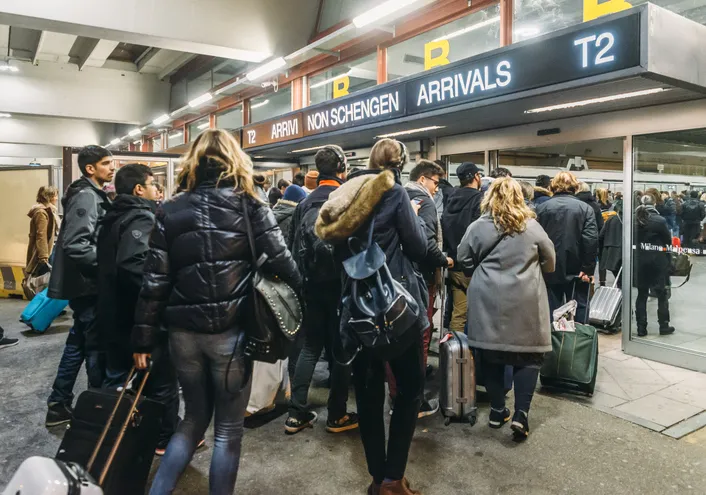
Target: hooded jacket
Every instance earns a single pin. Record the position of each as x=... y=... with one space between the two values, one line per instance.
x=43 y=227
x=461 y=211
x=588 y=198
x=432 y=228
x=123 y=243
x=196 y=275
x=541 y=195
x=75 y=266
x=283 y=211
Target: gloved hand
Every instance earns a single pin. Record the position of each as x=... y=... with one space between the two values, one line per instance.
x=42 y=268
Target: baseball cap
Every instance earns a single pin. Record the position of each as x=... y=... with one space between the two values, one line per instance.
x=467 y=170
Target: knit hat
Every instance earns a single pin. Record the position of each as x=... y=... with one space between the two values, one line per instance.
x=310 y=179
x=294 y=193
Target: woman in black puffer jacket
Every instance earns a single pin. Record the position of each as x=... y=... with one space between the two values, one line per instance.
x=195 y=279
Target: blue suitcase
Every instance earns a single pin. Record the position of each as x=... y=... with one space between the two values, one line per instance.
x=41 y=311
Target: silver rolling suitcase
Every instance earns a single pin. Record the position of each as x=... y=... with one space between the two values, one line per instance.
x=457 y=398
x=606 y=304
x=44 y=476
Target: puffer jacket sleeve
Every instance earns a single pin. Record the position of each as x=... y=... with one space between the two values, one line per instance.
x=269 y=240
x=156 y=289
x=589 y=242
x=412 y=236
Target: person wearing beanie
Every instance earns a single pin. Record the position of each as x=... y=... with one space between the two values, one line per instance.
x=284 y=208
x=311 y=181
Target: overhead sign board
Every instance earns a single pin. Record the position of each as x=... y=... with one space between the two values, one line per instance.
x=273 y=131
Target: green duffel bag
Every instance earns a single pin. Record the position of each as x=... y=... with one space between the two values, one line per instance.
x=572 y=365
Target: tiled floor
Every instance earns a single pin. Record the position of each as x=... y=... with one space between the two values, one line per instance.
x=657 y=396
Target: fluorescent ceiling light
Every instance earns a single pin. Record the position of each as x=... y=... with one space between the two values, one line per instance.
x=5 y=115
x=115 y=141
x=381 y=11
x=468 y=29
x=265 y=69
x=9 y=68
x=161 y=119
x=593 y=101
x=134 y=132
x=410 y=131
x=200 y=100
x=176 y=135
x=201 y=127
x=258 y=105
x=304 y=150
x=330 y=80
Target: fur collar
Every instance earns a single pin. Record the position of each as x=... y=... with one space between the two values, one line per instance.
x=542 y=191
x=287 y=203
x=350 y=205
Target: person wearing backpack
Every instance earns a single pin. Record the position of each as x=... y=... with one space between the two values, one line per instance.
x=373 y=208
x=693 y=212
x=322 y=295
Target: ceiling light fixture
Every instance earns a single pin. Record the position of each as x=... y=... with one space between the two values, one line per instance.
x=330 y=80
x=179 y=110
x=161 y=119
x=9 y=68
x=593 y=101
x=258 y=105
x=5 y=115
x=115 y=141
x=200 y=100
x=381 y=11
x=313 y=148
x=175 y=135
x=468 y=29
x=201 y=127
x=265 y=69
x=134 y=132
x=410 y=131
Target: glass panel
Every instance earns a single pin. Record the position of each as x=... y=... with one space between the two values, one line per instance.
x=175 y=138
x=231 y=119
x=196 y=128
x=668 y=226
x=271 y=105
x=476 y=33
x=356 y=75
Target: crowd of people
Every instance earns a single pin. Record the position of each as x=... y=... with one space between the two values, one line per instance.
x=162 y=284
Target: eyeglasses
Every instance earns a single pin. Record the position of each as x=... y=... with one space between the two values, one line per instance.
x=436 y=182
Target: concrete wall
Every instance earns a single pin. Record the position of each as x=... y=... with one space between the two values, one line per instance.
x=53 y=132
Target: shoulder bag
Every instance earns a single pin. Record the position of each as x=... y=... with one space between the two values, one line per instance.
x=467 y=269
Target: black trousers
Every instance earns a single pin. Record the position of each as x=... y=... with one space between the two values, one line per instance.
x=524 y=380
x=691 y=232
x=369 y=380
x=662 y=306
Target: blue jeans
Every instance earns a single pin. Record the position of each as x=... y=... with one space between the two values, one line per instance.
x=201 y=361
x=84 y=309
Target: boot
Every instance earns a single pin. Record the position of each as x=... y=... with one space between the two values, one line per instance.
x=666 y=329
x=399 y=487
x=374 y=488
x=641 y=331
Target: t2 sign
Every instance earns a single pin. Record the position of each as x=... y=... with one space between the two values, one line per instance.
x=599 y=45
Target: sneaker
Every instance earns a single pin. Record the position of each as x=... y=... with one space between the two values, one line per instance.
x=520 y=426
x=496 y=419
x=347 y=422
x=294 y=425
x=162 y=449
x=663 y=330
x=58 y=414
x=5 y=342
x=428 y=408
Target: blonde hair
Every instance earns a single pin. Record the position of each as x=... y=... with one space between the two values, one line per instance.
x=387 y=153
x=219 y=149
x=703 y=197
x=565 y=182
x=505 y=203
x=46 y=194
x=602 y=196
x=527 y=190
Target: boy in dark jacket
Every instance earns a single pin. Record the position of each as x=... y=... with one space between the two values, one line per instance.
x=322 y=294
x=123 y=243
x=461 y=211
x=74 y=276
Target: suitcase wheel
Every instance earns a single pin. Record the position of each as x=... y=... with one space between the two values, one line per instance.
x=447 y=420
x=472 y=418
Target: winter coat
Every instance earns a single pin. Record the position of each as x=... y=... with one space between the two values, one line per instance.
x=43 y=227
x=541 y=195
x=197 y=270
x=435 y=258
x=668 y=210
x=610 y=244
x=442 y=197
x=693 y=211
x=283 y=212
x=75 y=267
x=652 y=261
x=349 y=212
x=508 y=309
x=123 y=243
x=462 y=209
x=571 y=226
x=588 y=198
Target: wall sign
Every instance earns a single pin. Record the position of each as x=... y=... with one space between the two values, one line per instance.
x=273 y=131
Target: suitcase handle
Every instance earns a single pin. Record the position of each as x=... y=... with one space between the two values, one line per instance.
x=109 y=423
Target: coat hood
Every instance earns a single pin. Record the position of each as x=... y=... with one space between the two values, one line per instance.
x=461 y=198
x=126 y=202
x=540 y=191
x=350 y=205
x=586 y=196
x=283 y=209
x=77 y=186
x=38 y=207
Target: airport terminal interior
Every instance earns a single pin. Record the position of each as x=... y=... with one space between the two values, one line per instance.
x=610 y=93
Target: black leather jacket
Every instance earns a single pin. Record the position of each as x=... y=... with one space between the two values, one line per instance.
x=196 y=273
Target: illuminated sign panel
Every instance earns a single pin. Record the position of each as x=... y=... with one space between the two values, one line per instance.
x=273 y=131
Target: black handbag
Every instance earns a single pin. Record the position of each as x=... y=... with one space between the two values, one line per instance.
x=273 y=311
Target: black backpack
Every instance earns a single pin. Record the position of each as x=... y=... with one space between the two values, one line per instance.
x=315 y=257
x=691 y=211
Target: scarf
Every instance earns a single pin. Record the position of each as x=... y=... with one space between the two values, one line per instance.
x=414 y=186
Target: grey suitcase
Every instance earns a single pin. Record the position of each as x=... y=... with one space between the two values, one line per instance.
x=606 y=304
x=457 y=398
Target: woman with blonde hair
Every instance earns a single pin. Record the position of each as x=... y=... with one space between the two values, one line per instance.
x=509 y=252
x=195 y=281
x=43 y=227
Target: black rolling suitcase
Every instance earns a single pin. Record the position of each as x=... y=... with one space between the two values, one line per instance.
x=114 y=435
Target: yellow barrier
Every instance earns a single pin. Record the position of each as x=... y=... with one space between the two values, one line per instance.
x=11 y=281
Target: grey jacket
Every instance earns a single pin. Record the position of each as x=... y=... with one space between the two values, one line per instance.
x=508 y=309
x=75 y=270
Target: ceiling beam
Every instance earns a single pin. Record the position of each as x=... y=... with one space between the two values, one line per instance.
x=55 y=47
x=40 y=42
x=96 y=52
x=175 y=65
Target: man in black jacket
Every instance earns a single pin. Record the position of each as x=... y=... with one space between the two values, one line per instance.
x=74 y=275
x=462 y=209
x=445 y=190
x=322 y=295
x=571 y=225
x=693 y=212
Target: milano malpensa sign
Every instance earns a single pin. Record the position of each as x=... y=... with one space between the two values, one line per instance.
x=584 y=51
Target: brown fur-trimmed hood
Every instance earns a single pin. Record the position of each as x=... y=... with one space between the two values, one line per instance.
x=542 y=191
x=349 y=206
